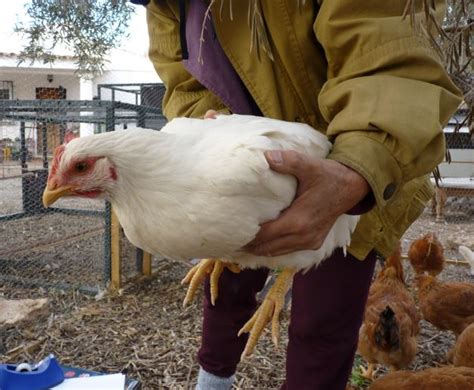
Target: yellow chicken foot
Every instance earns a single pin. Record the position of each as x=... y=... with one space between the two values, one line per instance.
x=196 y=275
x=368 y=373
x=269 y=310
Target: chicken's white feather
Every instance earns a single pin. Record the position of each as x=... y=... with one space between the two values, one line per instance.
x=468 y=255
x=201 y=188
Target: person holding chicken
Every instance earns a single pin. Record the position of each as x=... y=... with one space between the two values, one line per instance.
x=360 y=74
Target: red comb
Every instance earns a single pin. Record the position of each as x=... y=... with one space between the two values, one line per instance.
x=68 y=137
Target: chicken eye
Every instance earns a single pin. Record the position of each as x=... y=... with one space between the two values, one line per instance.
x=81 y=167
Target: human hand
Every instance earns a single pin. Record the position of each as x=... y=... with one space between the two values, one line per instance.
x=326 y=190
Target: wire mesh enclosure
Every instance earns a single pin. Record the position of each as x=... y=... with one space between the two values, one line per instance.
x=454 y=200
x=69 y=245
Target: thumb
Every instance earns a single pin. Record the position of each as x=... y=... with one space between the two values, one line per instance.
x=287 y=162
x=210 y=114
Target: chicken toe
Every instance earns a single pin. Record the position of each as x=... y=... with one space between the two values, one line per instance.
x=268 y=311
x=196 y=275
x=368 y=373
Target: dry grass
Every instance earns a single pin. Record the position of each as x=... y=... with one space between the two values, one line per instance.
x=144 y=332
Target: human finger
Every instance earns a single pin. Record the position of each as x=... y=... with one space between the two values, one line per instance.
x=289 y=162
x=282 y=226
x=210 y=114
x=280 y=246
x=296 y=219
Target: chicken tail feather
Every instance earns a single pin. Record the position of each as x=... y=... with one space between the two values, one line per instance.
x=387 y=333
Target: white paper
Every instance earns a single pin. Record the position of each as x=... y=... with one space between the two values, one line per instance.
x=99 y=382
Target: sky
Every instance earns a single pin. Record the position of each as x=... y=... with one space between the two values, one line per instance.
x=11 y=42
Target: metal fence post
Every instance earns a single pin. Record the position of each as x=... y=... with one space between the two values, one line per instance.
x=109 y=126
x=23 y=150
x=44 y=141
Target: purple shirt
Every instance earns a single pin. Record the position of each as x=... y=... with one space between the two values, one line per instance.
x=216 y=73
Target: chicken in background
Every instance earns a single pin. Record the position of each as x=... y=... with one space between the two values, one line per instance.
x=391 y=321
x=446 y=305
x=442 y=378
x=462 y=355
x=467 y=255
x=427 y=254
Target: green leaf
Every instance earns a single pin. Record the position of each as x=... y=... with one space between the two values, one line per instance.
x=88 y=28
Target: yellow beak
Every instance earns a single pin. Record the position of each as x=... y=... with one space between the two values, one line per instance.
x=51 y=195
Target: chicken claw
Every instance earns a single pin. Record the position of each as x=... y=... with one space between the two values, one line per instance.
x=369 y=372
x=196 y=275
x=270 y=309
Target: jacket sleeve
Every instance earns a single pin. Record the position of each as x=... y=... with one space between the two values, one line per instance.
x=387 y=96
x=184 y=96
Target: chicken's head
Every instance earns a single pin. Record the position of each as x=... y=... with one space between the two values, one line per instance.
x=76 y=174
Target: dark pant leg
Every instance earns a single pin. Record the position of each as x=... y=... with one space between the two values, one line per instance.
x=327 y=310
x=220 y=347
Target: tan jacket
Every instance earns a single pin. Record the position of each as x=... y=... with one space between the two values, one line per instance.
x=352 y=69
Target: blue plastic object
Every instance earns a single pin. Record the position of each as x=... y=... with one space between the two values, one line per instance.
x=41 y=376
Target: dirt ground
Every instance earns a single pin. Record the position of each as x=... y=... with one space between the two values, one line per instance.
x=145 y=332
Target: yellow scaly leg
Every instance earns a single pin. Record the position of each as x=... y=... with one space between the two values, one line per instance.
x=196 y=275
x=268 y=311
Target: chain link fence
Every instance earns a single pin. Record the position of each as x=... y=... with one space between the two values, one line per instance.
x=69 y=245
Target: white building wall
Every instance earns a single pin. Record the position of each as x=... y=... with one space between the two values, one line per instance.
x=25 y=82
x=462 y=164
x=86 y=93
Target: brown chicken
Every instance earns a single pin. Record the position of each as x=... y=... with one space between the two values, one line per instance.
x=447 y=305
x=388 y=334
x=463 y=352
x=442 y=378
x=427 y=254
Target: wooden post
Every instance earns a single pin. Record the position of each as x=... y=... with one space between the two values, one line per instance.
x=115 y=272
x=450 y=261
x=146 y=267
x=440 y=197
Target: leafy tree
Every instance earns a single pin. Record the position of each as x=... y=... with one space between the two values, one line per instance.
x=89 y=28
x=456 y=43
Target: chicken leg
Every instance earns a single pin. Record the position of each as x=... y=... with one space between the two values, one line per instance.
x=196 y=275
x=270 y=309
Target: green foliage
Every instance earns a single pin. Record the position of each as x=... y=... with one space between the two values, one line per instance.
x=89 y=28
x=356 y=380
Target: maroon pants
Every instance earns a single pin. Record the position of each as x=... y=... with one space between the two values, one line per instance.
x=327 y=309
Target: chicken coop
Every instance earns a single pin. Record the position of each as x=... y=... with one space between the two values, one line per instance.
x=77 y=244
x=454 y=200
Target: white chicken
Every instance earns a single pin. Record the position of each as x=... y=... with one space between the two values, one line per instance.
x=200 y=189
x=468 y=255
